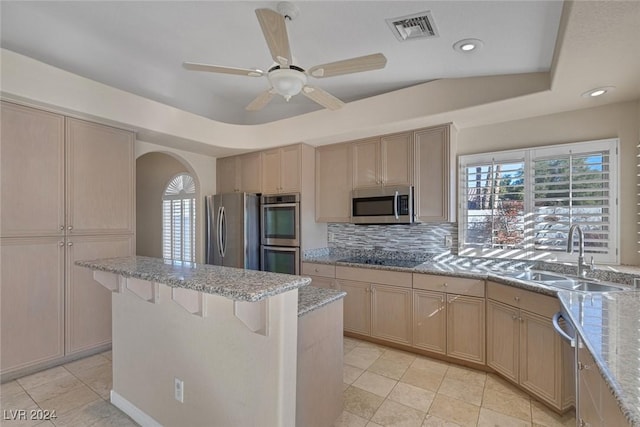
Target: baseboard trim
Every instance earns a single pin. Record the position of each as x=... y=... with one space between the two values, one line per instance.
x=133 y=411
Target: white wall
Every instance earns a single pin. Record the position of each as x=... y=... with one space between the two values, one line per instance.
x=203 y=169
x=611 y=121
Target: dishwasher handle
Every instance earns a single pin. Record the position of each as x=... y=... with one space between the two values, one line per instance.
x=556 y=325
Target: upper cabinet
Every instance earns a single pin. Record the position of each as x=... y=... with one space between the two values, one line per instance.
x=386 y=160
x=435 y=174
x=281 y=170
x=333 y=183
x=239 y=173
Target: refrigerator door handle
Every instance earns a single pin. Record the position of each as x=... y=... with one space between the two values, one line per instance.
x=219 y=230
x=223 y=232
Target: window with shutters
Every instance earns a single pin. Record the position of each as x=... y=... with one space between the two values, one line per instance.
x=521 y=203
x=179 y=219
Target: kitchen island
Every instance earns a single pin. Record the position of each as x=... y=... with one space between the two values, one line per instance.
x=207 y=345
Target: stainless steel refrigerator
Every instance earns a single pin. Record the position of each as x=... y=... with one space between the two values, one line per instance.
x=233 y=230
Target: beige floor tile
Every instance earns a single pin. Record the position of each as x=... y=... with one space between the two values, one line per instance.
x=345 y=386
x=433 y=421
x=87 y=363
x=98 y=413
x=347 y=419
x=374 y=383
x=362 y=356
x=468 y=375
x=391 y=368
x=107 y=354
x=350 y=373
x=53 y=389
x=74 y=398
x=98 y=378
x=398 y=356
x=361 y=402
x=428 y=380
x=393 y=414
x=430 y=364
x=16 y=409
x=372 y=424
x=46 y=424
x=508 y=403
x=489 y=418
x=348 y=341
x=454 y=410
x=9 y=388
x=412 y=396
x=43 y=377
x=467 y=392
x=543 y=416
x=497 y=383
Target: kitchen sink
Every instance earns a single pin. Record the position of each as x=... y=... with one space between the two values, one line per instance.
x=563 y=282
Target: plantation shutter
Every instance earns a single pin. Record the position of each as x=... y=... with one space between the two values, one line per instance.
x=178 y=219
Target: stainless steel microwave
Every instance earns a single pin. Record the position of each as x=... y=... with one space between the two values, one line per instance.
x=384 y=205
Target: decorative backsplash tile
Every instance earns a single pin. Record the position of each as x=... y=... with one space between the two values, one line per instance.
x=408 y=238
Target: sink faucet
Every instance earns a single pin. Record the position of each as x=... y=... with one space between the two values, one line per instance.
x=582 y=266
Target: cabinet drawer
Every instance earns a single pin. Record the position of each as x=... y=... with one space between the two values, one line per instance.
x=314 y=269
x=449 y=284
x=373 y=275
x=322 y=282
x=536 y=303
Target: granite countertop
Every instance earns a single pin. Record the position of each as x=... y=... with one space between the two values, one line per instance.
x=609 y=324
x=312 y=298
x=233 y=283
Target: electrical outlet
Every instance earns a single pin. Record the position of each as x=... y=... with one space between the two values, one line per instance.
x=448 y=241
x=178 y=390
x=332 y=237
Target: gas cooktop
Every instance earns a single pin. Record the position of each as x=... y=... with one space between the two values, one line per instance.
x=387 y=262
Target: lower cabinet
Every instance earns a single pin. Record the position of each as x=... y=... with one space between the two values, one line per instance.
x=430 y=321
x=391 y=313
x=523 y=346
x=357 y=306
x=597 y=406
x=465 y=328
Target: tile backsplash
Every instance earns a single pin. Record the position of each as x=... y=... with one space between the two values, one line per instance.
x=421 y=237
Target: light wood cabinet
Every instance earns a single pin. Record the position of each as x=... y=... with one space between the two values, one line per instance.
x=523 y=346
x=281 y=170
x=76 y=185
x=32 y=310
x=435 y=174
x=430 y=321
x=391 y=313
x=386 y=160
x=32 y=171
x=100 y=169
x=239 y=173
x=466 y=328
x=357 y=306
x=333 y=183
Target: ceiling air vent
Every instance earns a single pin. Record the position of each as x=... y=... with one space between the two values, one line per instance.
x=416 y=26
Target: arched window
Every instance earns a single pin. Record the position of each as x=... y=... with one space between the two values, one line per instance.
x=179 y=218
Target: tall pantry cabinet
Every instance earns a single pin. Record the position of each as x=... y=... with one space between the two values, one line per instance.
x=67 y=193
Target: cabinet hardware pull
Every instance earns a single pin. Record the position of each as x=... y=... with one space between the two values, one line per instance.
x=70 y=227
x=70 y=244
x=61 y=244
x=445 y=284
x=316 y=270
x=61 y=227
x=514 y=317
x=516 y=298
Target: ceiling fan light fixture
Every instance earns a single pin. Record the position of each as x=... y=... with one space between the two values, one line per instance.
x=287 y=82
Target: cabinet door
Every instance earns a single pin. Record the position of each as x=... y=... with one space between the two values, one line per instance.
x=397 y=159
x=540 y=358
x=290 y=159
x=32 y=156
x=434 y=187
x=503 y=339
x=333 y=183
x=357 y=306
x=250 y=173
x=32 y=311
x=271 y=171
x=88 y=304
x=366 y=163
x=100 y=179
x=391 y=313
x=227 y=175
x=430 y=321
x=465 y=328
x=588 y=407
x=323 y=282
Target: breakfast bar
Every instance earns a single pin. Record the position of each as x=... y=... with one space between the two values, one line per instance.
x=208 y=345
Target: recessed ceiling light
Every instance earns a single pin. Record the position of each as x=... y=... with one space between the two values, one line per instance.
x=599 y=91
x=467 y=45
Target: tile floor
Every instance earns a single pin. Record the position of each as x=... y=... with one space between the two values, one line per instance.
x=382 y=387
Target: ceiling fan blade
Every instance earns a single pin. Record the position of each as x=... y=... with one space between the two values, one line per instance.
x=275 y=33
x=260 y=101
x=347 y=66
x=322 y=97
x=193 y=66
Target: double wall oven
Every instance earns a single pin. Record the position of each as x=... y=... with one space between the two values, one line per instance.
x=280 y=240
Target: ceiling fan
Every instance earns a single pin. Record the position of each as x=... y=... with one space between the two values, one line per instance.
x=286 y=78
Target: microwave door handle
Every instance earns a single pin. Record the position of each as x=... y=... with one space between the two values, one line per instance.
x=395 y=205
